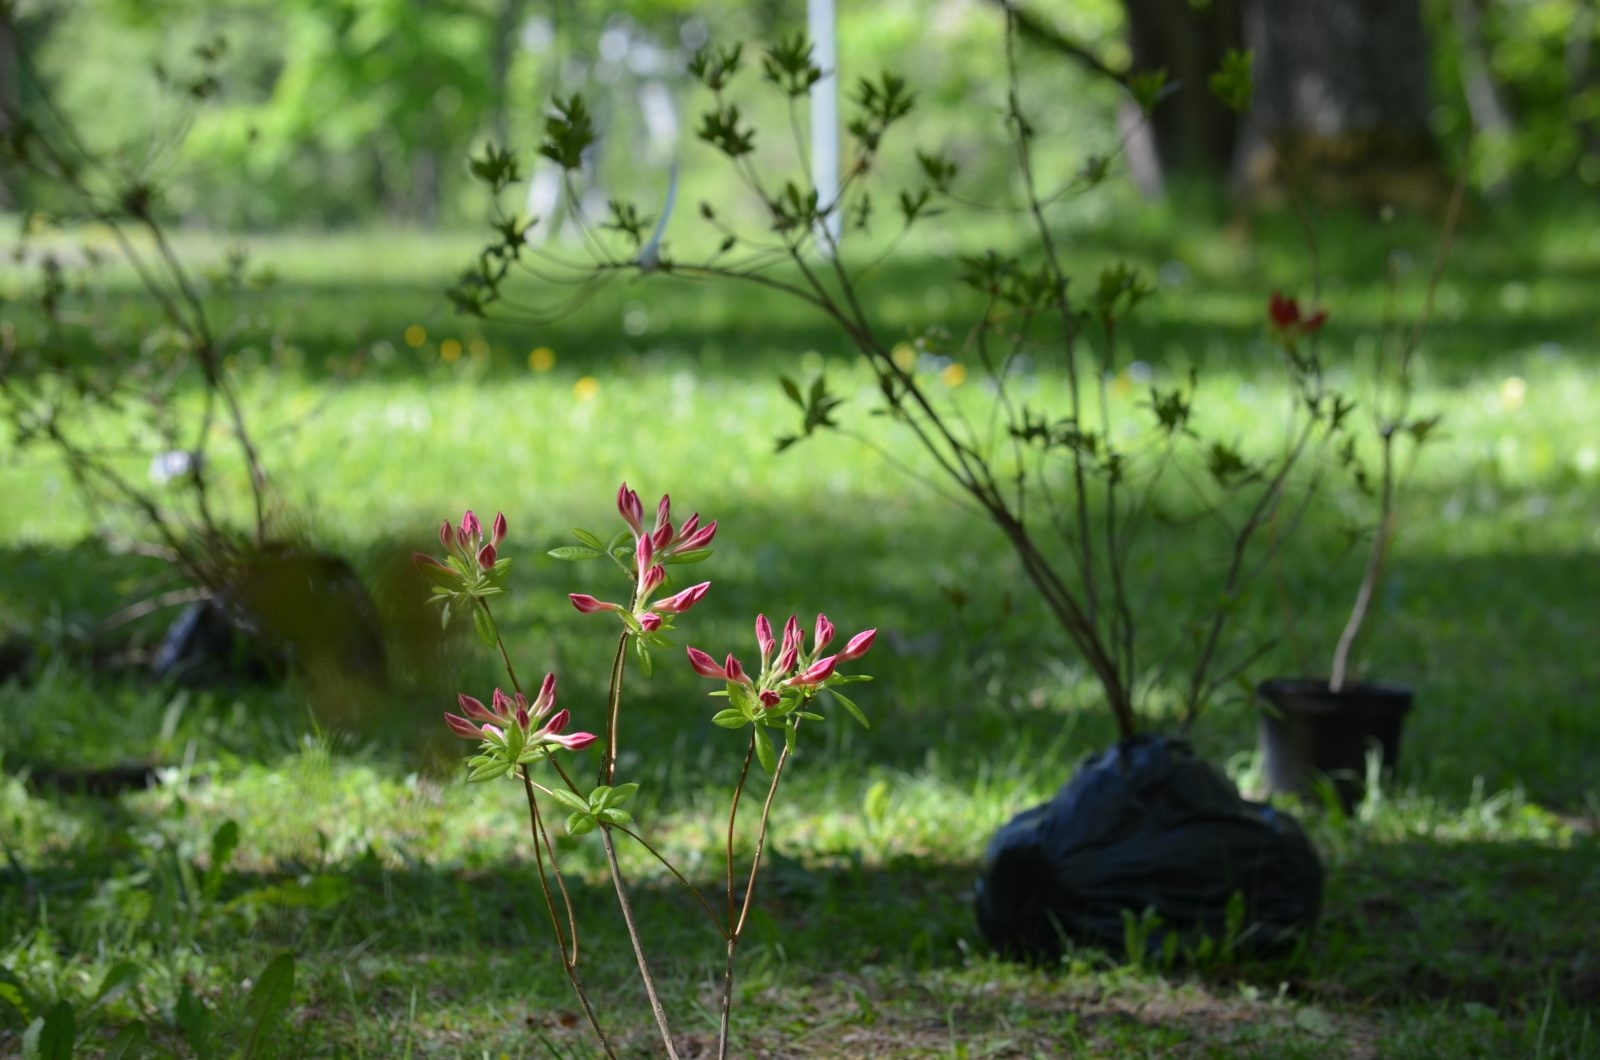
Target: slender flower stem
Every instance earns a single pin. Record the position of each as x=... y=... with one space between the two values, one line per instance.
x=608 y=769
x=568 y=961
x=638 y=946
x=733 y=813
x=749 y=898
x=499 y=641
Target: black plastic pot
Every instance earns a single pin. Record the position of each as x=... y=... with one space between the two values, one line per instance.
x=1310 y=733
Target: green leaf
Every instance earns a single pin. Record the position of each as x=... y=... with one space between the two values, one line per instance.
x=790 y=735
x=447 y=580
x=580 y=824
x=764 y=751
x=14 y=992
x=847 y=704
x=194 y=1019
x=224 y=841
x=117 y=980
x=59 y=1031
x=589 y=539
x=492 y=771
x=792 y=388
x=570 y=799
x=269 y=998
x=614 y=816
x=694 y=555
x=126 y=1043
x=575 y=553
x=484 y=626
x=647 y=665
x=732 y=718
x=620 y=796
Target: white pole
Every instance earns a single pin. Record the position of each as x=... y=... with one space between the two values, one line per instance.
x=825 y=114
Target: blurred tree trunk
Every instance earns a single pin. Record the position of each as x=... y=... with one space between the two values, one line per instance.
x=1190 y=133
x=503 y=45
x=10 y=102
x=1341 y=102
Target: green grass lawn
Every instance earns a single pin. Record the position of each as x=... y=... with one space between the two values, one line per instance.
x=1456 y=915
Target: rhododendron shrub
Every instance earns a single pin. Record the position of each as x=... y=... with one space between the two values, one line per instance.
x=518 y=737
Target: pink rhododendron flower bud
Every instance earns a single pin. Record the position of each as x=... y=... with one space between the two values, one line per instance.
x=697 y=539
x=788 y=659
x=575 y=741
x=705 y=665
x=652 y=581
x=504 y=705
x=589 y=605
x=764 y=637
x=664 y=511
x=680 y=602
x=447 y=535
x=499 y=533
x=858 y=645
x=630 y=509
x=474 y=708
x=470 y=525
x=735 y=670
x=547 y=696
x=663 y=536
x=816 y=673
x=486 y=557
x=689 y=525
x=770 y=699
x=643 y=553
x=523 y=721
x=649 y=621
x=823 y=634
x=463 y=728
x=422 y=559
x=554 y=726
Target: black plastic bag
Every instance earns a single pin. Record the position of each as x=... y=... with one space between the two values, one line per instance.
x=1147 y=825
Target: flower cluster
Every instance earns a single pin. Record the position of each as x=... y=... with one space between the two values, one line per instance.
x=652 y=550
x=1286 y=323
x=471 y=570
x=789 y=675
x=510 y=731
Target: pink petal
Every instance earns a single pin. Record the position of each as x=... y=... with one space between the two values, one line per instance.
x=664 y=511
x=649 y=621
x=764 y=637
x=735 y=670
x=546 y=697
x=470 y=525
x=706 y=666
x=823 y=634
x=463 y=728
x=682 y=601
x=816 y=673
x=589 y=605
x=475 y=709
x=554 y=726
x=447 y=535
x=699 y=539
x=858 y=645
x=575 y=741
x=652 y=580
x=630 y=509
x=486 y=557
x=499 y=533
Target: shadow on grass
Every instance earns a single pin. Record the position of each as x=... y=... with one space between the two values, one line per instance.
x=1483 y=934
